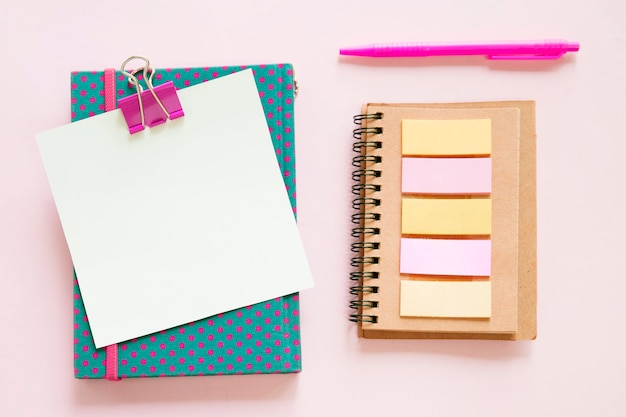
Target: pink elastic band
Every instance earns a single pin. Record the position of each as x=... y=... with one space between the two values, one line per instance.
x=110 y=103
x=111 y=363
x=109 y=90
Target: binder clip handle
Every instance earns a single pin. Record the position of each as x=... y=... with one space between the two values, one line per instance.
x=152 y=107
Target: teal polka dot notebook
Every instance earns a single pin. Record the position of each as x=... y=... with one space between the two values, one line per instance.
x=257 y=339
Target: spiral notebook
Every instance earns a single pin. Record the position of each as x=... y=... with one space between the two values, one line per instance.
x=445 y=221
x=259 y=338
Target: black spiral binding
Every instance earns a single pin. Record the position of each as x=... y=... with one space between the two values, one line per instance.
x=366 y=210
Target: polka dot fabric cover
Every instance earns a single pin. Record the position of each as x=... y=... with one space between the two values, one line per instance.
x=262 y=338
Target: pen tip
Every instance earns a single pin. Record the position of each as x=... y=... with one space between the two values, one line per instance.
x=358 y=51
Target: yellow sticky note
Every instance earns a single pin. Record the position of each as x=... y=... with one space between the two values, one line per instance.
x=446 y=137
x=446 y=216
x=459 y=299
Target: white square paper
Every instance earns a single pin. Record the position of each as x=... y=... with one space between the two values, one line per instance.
x=177 y=222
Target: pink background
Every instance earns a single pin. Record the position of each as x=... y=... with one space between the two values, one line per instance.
x=576 y=367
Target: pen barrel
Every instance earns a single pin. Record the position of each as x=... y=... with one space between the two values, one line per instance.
x=545 y=48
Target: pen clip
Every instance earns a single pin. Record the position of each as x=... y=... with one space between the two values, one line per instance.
x=528 y=57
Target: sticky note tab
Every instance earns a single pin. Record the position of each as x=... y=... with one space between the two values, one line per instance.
x=445 y=257
x=452 y=299
x=446 y=216
x=446 y=175
x=446 y=137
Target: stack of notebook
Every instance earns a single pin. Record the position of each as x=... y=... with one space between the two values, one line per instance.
x=445 y=221
x=171 y=244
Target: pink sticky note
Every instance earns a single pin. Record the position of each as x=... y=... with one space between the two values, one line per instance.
x=445 y=257
x=446 y=175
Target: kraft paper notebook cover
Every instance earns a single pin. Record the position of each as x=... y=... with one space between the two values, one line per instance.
x=414 y=219
x=261 y=338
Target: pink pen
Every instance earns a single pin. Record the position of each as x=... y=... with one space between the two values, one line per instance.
x=545 y=49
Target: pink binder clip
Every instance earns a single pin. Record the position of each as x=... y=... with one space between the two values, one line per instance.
x=152 y=107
